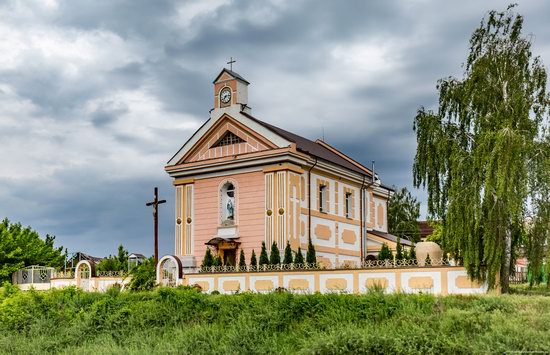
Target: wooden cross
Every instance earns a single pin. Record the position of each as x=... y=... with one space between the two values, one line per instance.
x=231 y=61
x=155 y=203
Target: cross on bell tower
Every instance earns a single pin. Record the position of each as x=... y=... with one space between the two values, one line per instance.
x=231 y=61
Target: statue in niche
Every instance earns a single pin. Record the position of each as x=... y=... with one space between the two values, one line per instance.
x=228 y=203
x=230 y=209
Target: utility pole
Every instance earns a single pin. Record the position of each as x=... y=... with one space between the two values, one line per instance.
x=155 y=203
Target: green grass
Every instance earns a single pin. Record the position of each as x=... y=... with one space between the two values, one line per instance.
x=184 y=321
x=525 y=289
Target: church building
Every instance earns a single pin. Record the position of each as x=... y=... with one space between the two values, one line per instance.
x=240 y=181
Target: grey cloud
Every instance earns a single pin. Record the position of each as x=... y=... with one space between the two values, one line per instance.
x=107 y=113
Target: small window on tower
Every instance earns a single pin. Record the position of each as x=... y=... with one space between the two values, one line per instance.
x=228 y=139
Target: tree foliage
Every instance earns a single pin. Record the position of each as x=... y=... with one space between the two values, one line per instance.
x=21 y=247
x=437 y=234
x=476 y=154
x=143 y=276
x=118 y=262
x=403 y=214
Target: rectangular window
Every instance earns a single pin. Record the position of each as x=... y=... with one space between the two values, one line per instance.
x=323 y=198
x=349 y=205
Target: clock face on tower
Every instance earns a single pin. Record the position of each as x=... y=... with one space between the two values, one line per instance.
x=225 y=95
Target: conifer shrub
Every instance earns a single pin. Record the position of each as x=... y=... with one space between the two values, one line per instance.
x=253 y=260
x=412 y=253
x=299 y=257
x=217 y=261
x=275 y=257
x=385 y=253
x=406 y=255
x=208 y=259
x=399 y=250
x=242 y=261
x=311 y=258
x=288 y=254
x=264 y=260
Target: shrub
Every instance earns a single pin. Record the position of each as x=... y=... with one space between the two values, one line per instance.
x=311 y=258
x=275 y=257
x=253 y=261
x=412 y=253
x=242 y=262
x=406 y=255
x=114 y=290
x=288 y=254
x=264 y=260
x=385 y=253
x=299 y=257
x=217 y=261
x=399 y=250
x=143 y=276
x=208 y=259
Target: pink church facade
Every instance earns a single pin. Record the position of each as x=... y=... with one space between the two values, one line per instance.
x=240 y=181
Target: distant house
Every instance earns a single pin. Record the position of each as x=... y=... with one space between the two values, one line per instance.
x=425 y=230
x=80 y=256
x=377 y=239
x=135 y=259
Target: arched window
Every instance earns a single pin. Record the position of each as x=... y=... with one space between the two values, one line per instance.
x=228 y=207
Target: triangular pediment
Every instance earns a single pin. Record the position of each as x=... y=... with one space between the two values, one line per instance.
x=228 y=137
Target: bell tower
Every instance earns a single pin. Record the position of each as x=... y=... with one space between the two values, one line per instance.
x=230 y=89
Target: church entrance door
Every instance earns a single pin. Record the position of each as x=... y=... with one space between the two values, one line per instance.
x=230 y=257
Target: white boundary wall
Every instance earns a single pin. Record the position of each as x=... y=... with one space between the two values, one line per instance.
x=434 y=280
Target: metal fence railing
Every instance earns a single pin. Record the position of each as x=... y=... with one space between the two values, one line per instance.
x=519 y=277
x=320 y=266
x=33 y=275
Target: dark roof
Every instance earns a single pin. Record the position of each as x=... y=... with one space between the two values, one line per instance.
x=83 y=256
x=137 y=255
x=307 y=146
x=232 y=73
x=425 y=229
x=390 y=237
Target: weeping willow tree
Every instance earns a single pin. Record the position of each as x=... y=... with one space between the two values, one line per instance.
x=537 y=236
x=475 y=153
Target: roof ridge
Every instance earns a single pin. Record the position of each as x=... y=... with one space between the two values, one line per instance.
x=230 y=72
x=336 y=151
x=312 y=147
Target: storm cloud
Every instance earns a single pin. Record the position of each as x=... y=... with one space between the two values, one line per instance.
x=96 y=96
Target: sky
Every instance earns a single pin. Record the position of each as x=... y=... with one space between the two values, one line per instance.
x=96 y=96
